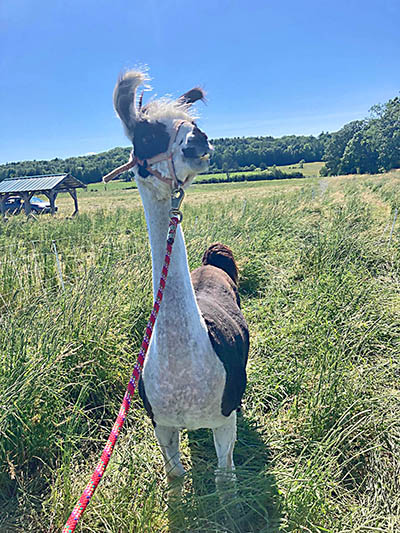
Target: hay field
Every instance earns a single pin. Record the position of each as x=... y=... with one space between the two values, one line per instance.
x=319 y=436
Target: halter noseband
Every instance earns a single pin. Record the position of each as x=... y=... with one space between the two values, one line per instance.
x=146 y=163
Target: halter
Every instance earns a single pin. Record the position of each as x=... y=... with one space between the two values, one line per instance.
x=147 y=163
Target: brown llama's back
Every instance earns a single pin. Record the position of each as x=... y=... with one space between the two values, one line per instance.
x=215 y=286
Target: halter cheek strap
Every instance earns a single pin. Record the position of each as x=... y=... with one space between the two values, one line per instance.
x=147 y=163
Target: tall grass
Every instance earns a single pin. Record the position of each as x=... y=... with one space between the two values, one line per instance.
x=318 y=441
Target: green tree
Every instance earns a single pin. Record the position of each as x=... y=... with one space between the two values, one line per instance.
x=359 y=156
x=336 y=145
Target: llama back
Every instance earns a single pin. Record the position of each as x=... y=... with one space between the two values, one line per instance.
x=217 y=295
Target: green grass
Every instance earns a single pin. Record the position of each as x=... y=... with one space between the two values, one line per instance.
x=114 y=185
x=309 y=170
x=318 y=439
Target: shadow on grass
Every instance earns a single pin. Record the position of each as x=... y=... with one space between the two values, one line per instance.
x=254 y=506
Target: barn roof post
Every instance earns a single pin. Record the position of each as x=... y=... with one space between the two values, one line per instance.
x=3 y=200
x=72 y=192
x=52 y=195
x=27 y=202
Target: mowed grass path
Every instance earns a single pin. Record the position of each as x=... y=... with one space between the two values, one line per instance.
x=318 y=441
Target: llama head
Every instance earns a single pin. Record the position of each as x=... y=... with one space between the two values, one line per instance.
x=163 y=127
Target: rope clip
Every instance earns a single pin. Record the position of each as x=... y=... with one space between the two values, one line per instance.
x=177 y=196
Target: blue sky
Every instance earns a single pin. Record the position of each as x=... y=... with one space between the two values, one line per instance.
x=269 y=67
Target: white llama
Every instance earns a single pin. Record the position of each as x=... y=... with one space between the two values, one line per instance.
x=194 y=375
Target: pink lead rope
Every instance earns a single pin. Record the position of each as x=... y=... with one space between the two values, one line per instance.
x=81 y=505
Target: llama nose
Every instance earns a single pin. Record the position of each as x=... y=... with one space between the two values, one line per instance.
x=197 y=147
x=193 y=151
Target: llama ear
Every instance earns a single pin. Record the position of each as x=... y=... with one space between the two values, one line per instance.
x=192 y=96
x=125 y=98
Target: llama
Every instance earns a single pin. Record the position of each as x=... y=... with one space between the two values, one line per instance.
x=194 y=375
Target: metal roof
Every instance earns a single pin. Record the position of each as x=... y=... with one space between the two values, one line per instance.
x=39 y=183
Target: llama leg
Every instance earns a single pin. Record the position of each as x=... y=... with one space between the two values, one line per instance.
x=168 y=439
x=224 y=441
x=225 y=478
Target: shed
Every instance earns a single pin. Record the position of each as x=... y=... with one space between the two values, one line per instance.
x=49 y=185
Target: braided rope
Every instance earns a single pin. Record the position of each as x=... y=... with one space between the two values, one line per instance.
x=84 y=500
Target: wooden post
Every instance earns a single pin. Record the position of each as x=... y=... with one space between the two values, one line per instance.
x=3 y=200
x=51 y=196
x=27 y=202
x=53 y=203
x=72 y=192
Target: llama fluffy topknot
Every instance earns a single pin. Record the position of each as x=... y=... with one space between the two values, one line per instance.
x=157 y=109
x=166 y=108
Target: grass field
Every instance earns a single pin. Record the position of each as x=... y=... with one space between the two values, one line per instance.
x=309 y=170
x=319 y=435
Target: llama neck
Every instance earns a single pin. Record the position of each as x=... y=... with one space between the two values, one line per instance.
x=179 y=316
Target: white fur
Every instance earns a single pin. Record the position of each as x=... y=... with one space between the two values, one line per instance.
x=183 y=377
x=164 y=109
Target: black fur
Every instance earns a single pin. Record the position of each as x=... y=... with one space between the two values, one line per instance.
x=149 y=139
x=143 y=172
x=198 y=144
x=193 y=95
x=146 y=403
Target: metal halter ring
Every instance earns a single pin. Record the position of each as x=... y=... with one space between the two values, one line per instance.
x=176 y=213
x=177 y=196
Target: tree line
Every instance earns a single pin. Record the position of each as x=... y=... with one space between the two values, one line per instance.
x=366 y=146
x=88 y=169
x=247 y=153
x=361 y=146
x=230 y=154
